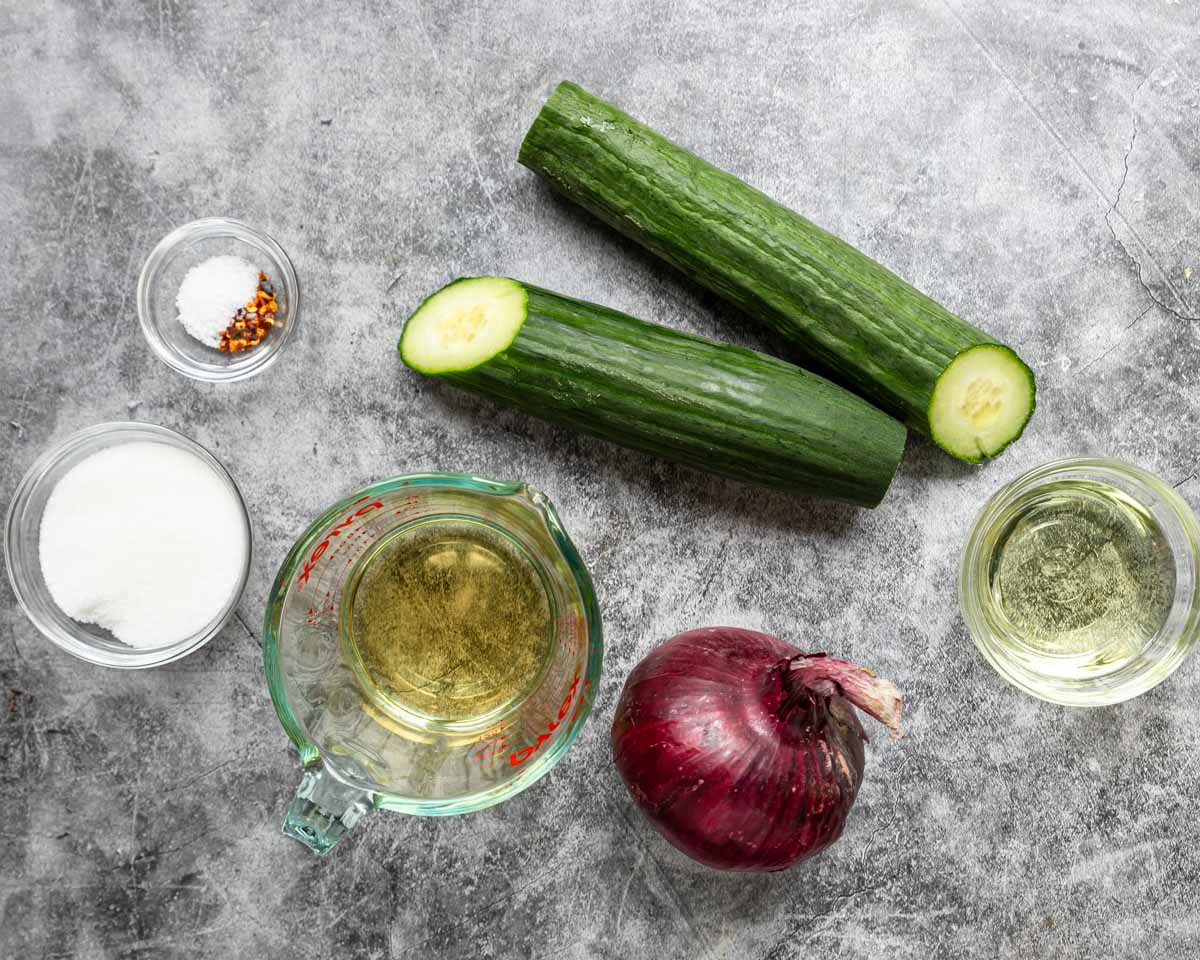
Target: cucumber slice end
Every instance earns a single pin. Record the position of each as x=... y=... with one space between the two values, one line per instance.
x=463 y=325
x=981 y=402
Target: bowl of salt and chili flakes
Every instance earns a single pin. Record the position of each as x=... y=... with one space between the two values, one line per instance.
x=218 y=300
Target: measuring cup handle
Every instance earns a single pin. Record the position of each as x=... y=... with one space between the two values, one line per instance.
x=323 y=810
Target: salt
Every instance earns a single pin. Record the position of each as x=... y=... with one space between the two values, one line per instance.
x=211 y=293
x=145 y=540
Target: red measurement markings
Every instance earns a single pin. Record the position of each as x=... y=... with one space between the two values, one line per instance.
x=493 y=742
x=319 y=551
x=518 y=757
x=408 y=505
x=334 y=578
x=322 y=584
x=354 y=545
x=315 y=617
x=568 y=631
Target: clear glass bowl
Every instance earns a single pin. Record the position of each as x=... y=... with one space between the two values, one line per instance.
x=21 y=549
x=1002 y=644
x=158 y=285
x=362 y=750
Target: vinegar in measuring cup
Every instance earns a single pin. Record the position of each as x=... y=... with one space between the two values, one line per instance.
x=449 y=620
x=432 y=645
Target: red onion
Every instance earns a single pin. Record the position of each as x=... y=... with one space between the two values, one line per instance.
x=743 y=751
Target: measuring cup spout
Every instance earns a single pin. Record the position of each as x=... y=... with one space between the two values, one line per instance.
x=323 y=810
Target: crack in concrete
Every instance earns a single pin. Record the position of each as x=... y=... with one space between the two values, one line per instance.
x=1058 y=138
x=1120 y=337
x=1113 y=211
x=237 y=615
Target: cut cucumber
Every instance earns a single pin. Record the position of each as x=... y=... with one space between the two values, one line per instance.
x=858 y=322
x=981 y=402
x=463 y=324
x=720 y=408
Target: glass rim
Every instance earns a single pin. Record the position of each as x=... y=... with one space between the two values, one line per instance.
x=19 y=556
x=1132 y=679
x=546 y=759
x=256 y=360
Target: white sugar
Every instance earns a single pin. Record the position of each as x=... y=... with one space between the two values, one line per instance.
x=211 y=293
x=145 y=540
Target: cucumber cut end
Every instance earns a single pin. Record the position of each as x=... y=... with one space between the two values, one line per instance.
x=981 y=402
x=464 y=324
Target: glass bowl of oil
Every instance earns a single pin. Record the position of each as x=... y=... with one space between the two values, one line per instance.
x=1080 y=582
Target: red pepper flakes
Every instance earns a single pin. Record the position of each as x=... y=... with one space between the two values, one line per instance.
x=252 y=322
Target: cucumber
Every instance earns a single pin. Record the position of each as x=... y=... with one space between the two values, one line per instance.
x=861 y=324
x=721 y=408
x=981 y=402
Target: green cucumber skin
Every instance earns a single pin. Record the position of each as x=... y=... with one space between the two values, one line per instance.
x=864 y=325
x=710 y=405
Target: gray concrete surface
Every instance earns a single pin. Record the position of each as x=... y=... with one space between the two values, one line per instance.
x=1035 y=166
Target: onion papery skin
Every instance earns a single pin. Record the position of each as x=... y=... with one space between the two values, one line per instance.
x=737 y=756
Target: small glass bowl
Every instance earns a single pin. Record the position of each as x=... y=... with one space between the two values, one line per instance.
x=158 y=286
x=87 y=641
x=1001 y=643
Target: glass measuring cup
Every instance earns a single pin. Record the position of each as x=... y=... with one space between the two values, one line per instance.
x=362 y=748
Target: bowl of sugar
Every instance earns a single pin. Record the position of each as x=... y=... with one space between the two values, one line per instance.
x=128 y=545
x=218 y=300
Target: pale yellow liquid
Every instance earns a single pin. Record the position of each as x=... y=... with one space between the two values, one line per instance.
x=451 y=620
x=1085 y=576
